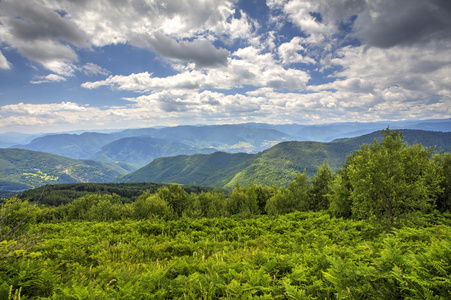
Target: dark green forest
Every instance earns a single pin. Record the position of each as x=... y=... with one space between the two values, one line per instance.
x=379 y=227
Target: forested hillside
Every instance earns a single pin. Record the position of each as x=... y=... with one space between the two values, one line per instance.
x=23 y=169
x=58 y=194
x=277 y=165
x=216 y=169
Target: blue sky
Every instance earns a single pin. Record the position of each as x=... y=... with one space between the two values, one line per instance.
x=70 y=65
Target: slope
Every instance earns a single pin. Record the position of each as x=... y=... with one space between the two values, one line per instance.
x=23 y=169
x=143 y=149
x=215 y=169
x=277 y=165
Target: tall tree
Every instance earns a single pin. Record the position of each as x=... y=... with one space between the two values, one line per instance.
x=321 y=188
x=389 y=180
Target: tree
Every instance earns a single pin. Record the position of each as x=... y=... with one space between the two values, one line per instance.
x=299 y=188
x=152 y=205
x=291 y=199
x=242 y=201
x=176 y=197
x=444 y=201
x=318 y=195
x=389 y=181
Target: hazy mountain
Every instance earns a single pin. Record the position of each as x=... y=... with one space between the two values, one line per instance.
x=9 y=139
x=329 y=132
x=69 y=145
x=277 y=165
x=23 y=169
x=231 y=138
x=249 y=138
x=142 y=150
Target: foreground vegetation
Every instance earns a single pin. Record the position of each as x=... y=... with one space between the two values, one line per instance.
x=378 y=229
x=299 y=255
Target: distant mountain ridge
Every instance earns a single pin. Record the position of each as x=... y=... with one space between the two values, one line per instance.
x=277 y=165
x=184 y=139
x=142 y=150
x=187 y=140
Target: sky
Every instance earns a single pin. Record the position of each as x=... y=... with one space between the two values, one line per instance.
x=110 y=64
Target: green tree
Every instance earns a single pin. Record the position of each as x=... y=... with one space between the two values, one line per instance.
x=151 y=205
x=243 y=201
x=176 y=197
x=340 y=203
x=299 y=190
x=444 y=200
x=390 y=180
x=321 y=188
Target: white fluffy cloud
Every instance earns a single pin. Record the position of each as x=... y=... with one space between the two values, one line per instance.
x=48 y=78
x=49 y=32
x=247 y=67
x=4 y=64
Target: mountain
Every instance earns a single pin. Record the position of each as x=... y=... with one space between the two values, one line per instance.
x=9 y=139
x=216 y=169
x=248 y=137
x=142 y=150
x=69 y=145
x=23 y=169
x=440 y=140
x=230 y=138
x=277 y=165
x=330 y=132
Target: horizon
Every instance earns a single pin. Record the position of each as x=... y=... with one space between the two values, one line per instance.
x=111 y=130
x=88 y=67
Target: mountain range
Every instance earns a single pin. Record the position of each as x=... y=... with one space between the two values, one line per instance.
x=140 y=146
x=276 y=165
x=218 y=156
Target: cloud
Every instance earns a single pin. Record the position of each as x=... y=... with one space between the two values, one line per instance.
x=178 y=29
x=50 y=33
x=201 y=52
x=40 y=109
x=143 y=82
x=48 y=78
x=386 y=24
x=248 y=67
x=37 y=33
x=422 y=70
x=322 y=60
x=93 y=69
x=4 y=63
x=294 y=52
